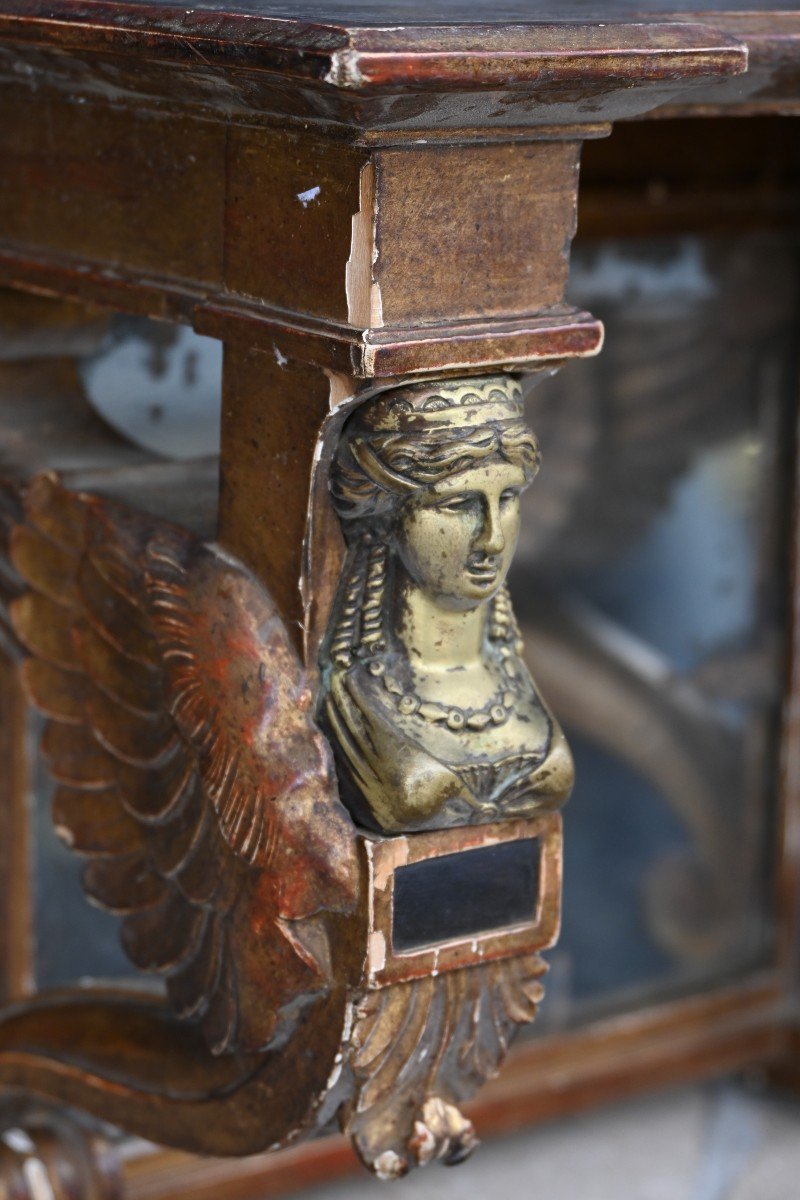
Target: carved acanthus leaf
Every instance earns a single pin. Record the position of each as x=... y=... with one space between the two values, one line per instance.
x=436 y=1039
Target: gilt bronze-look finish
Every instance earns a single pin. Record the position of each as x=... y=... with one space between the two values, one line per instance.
x=433 y=715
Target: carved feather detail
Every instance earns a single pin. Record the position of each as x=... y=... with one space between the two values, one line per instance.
x=189 y=770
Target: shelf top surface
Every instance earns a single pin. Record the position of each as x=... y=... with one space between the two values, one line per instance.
x=346 y=15
x=383 y=45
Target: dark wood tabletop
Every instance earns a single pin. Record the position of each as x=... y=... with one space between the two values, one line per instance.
x=328 y=50
x=380 y=13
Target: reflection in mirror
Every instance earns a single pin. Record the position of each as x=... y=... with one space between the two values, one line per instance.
x=74 y=941
x=650 y=586
x=159 y=385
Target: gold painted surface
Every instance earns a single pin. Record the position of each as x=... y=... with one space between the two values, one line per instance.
x=434 y=717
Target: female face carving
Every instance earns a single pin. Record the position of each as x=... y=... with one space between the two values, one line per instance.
x=456 y=538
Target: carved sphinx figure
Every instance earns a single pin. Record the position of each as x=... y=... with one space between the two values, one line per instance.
x=433 y=716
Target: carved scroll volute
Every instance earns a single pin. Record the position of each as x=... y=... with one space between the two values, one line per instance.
x=448 y=759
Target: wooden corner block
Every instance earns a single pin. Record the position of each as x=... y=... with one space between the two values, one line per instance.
x=470 y=232
x=393 y=260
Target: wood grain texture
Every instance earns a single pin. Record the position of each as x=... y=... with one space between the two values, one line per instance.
x=272 y=414
x=191 y=778
x=771 y=84
x=212 y=228
x=509 y=215
x=287 y=192
x=124 y=1058
x=324 y=57
x=139 y=192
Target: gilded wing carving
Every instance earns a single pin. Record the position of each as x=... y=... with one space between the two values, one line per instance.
x=189 y=771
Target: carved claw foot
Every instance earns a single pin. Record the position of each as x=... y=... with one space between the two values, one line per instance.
x=442 y=1131
x=439 y=1131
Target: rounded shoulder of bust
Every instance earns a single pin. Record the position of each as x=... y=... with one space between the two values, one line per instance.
x=554 y=778
x=404 y=785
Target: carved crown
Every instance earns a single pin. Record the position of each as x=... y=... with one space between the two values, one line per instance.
x=462 y=403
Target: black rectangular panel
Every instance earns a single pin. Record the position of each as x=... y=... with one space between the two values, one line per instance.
x=466 y=893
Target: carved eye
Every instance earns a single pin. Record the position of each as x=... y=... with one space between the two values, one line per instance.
x=458 y=504
x=509 y=495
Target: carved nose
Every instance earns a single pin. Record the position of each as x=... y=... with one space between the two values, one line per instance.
x=492 y=540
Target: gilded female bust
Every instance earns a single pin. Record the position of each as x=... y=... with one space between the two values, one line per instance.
x=432 y=713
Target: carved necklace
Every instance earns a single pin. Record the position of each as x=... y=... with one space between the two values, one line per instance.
x=495 y=711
